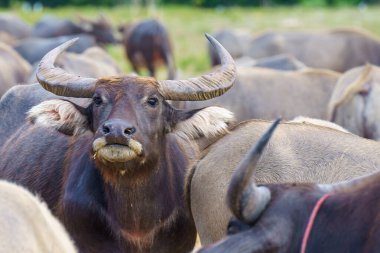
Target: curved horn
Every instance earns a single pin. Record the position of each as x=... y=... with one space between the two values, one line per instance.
x=352 y=185
x=57 y=81
x=206 y=86
x=245 y=199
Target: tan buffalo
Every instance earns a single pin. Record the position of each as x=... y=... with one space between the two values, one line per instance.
x=355 y=101
x=339 y=50
x=266 y=94
x=7 y=38
x=27 y=225
x=297 y=152
x=13 y=68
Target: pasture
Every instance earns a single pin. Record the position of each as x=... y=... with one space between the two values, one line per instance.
x=186 y=25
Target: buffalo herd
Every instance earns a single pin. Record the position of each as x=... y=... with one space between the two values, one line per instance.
x=95 y=160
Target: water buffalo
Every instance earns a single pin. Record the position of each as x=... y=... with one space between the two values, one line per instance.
x=235 y=41
x=113 y=171
x=94 y=62
x=147 y=45
x=13 y=68
x=299 y=217
x=14 y=26
x=50 y=26
x=266 y=93
x=354 y=102
x=283 y=62
x=27 y=225
x=17 y=101
x=101 y=29
x=338 y=50
x=33 y=49
x=298 y=152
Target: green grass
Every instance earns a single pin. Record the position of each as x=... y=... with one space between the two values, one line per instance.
x=187 y=25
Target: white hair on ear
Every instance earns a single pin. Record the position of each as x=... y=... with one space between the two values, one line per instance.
x=318 y=122
x=209 y=122
x=60 y=115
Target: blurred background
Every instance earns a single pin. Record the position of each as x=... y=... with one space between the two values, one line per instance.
x=187 y=20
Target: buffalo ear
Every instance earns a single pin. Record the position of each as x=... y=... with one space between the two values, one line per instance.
x=62 y=115
x=207 y=122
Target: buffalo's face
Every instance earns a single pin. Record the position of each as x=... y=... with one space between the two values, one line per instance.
x=103 y=33
x=128 y=115
x=128 y=119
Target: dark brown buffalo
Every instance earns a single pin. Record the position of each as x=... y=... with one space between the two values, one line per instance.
x=113 y=171
x=274 y=217
x=50 y=26
x=147 y=45
x=101 y=28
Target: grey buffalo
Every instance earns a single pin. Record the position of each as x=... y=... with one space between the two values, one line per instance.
x=235 y=41
x=283 y=62
x=338 y=50
x=93 y=62
x=33 y=49
x=14 y=26
x=50 y=26
x=265 y=93
x=297 y=153
x=298 y=217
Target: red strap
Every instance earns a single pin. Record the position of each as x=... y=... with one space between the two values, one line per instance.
x=310 y=223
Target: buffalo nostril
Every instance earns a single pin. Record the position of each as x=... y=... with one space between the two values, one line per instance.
x=130 y=130
x=106 y=129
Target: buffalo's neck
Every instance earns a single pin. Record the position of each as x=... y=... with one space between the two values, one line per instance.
x=140 y=207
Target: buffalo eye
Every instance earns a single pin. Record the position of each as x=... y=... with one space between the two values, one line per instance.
x=97 y=100
x=152 y=101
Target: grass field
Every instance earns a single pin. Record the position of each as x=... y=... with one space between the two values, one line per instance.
x=187 y=25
